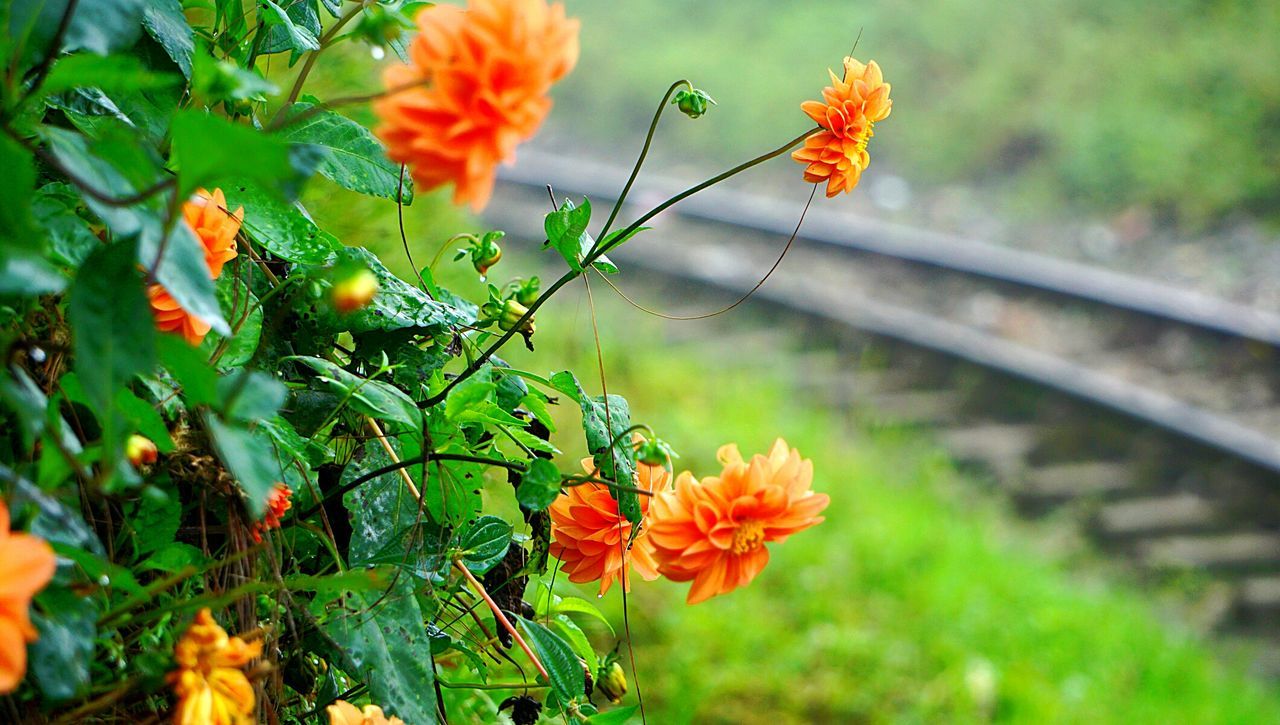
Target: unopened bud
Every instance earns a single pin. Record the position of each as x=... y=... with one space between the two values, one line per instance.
x=355 y=292
x=692 y=103
x=512 y=313
x=612 y=682
x=653 y=453
x=527 y=292
x=491 y=255
x=141 y=451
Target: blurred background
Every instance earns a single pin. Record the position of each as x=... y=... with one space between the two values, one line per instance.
x=1032 y=355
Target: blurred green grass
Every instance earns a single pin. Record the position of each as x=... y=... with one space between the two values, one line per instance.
x=1053 y=104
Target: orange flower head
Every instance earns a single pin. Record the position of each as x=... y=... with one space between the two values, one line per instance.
x=476 y=86
x=277 y=504
x=713 y=532
x=216 y=228
x=847 y=114
x=26 y=566
x=210 y=683
x=591 y=537
x=342 y=712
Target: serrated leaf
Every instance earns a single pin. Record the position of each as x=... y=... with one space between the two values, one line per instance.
x=577 y=639
x=280 y=227
x=383 y=642
x=355 y=159
x=156 y=521
x=539 y=485
x=575 y=605
x=190 y=368
x=397 y=306
x=54 y=207
x=483 y=544
x=568 y=680
x=173 y=557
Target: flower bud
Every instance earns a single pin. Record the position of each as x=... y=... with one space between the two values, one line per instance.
x=527 y=292
x=654 y=453
x=487 y=259
x=141 y=451
x=692 y=103
x=612 y=682
x=354 y=292
x=512 y=312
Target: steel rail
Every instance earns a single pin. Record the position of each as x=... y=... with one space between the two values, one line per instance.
x=944 y=251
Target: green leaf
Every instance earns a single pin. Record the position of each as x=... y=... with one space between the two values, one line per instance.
x=250 y=395
x=143 y=418
x=370 y=397
x=568 y=680
x=202 y=145
x=110 y=73
x=250 y=458
x=566 y=230
x=575 y=605
x=27 y=401
x=25 y=274
x=539 y=485
x=384 y=514
x=577 y=639
x=355 y=159
x=280 y=227
x=173 y=557
x=60 y=658
x=382 y=641
x=155 y=523
x=113 y=335
x=618 y=464
x=484 y=543
x=166 y=23
x=190 y=368
x=55 y=209
x=296 y=29
x=243 y=309
x=17 y=186
x=98 y=26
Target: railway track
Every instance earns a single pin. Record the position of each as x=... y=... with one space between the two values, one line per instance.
x=1150 y=413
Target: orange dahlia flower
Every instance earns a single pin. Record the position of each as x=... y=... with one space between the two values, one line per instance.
x=479 y=81
x=713 y=532
x=342 y=712
x=847 y=113
x=210 y=682
x=590 y=536
x=277 y=504
x=216 y=228
x=26 y=566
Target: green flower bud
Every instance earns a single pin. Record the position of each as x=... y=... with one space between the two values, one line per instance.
x=692 y=103
x=512 y=312
x=527 y=292
x=654 y=453
x=611 y=682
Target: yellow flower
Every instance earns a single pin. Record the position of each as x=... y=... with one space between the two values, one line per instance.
x=210 y=683
x=344 y=713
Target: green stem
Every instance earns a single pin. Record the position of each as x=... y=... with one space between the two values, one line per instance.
x=644 y=152
x=492 y=685
x=310 y=62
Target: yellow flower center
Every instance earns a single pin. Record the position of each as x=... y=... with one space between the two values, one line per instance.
x=749 y=536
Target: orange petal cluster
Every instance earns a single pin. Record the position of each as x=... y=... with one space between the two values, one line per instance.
x=847 y=113
x=342 y=712
x=591 y=537
x=277 y=504
x=713 y=532
x=26 y=566
x=216 y=228
x=210 y=682
x=475 y=87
